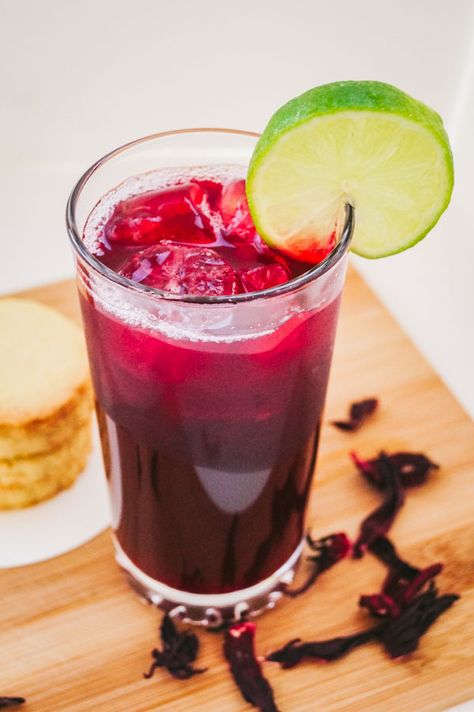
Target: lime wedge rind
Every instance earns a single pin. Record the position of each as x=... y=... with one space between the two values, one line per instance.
x=364 y=141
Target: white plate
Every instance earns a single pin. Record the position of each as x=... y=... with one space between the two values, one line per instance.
x=60 y=524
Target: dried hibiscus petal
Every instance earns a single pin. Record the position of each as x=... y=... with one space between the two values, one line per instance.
x=11 y=701
x=380 y=605
x=403 y=590
x=358 y=413
x=412 y=468
x=402 y=634
x=325 y=650
x=380 y=520
x=369 y=469
x=179 y=651
x=402 y=583
x=420 y=580
x=329 y=550
x=239 y=651
x=386 y=552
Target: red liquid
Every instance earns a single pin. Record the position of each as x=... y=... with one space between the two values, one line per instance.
x=209 y=446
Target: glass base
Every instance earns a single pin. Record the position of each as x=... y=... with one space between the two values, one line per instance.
x=210 y=609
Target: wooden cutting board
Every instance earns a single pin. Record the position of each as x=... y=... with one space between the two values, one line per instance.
x=74 y=637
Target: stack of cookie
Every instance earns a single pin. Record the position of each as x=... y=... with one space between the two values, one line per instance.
x=45 y=403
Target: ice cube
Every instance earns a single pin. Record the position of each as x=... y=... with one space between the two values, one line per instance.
x=235 y=212
x=182 y=270
x=263 y=277
x=165 y=215
x=207 y=190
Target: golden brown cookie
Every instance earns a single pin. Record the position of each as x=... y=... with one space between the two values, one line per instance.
x=45 y=402
x=45 y=393
x=44 y=434
x=28 y=480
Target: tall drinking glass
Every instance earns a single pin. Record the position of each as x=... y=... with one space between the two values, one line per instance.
x=209 y=408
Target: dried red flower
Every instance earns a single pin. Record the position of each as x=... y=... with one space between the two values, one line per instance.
x=412 y=468
x=401 y=635
x=402 y=583
x=380 y=605
x=179 y=651
x=358 y=414
x=325 y=650
x=410 y=591
x=380 y=520
x=239 y=651
x=11 y=701
x=406 y=609
x=385 y=551
x=329 y=550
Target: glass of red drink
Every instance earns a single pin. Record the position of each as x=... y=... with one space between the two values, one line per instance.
x=210 y=356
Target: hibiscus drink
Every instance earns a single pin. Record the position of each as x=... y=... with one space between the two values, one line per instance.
x=210 y=355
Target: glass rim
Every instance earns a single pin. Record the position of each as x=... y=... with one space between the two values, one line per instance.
x=292 y=285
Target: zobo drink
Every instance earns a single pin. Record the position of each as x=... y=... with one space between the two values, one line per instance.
x=209 y=441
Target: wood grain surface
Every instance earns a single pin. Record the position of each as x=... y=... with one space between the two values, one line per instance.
x=74 y=637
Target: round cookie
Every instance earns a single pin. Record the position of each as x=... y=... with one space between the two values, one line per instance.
x=45 y=392
x=45 y=403
x=43 y=434
x=27 y=480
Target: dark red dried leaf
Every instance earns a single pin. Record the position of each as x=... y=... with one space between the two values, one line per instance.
x=385 y=551
x=378 y=523
x=324 y=651
x=395 y=586
x=11 y=701
x=413 y=468
x=358 y=414
x=329 y=550
x=402 y=583
x=179 y=651
x=419 y=581
x=369 y=469
x=380 y=605
x=239 y=651
x=401 y=635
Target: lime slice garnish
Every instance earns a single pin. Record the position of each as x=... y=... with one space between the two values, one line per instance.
x=366 y=143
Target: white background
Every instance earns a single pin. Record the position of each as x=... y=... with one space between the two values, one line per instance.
x=79 y=78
